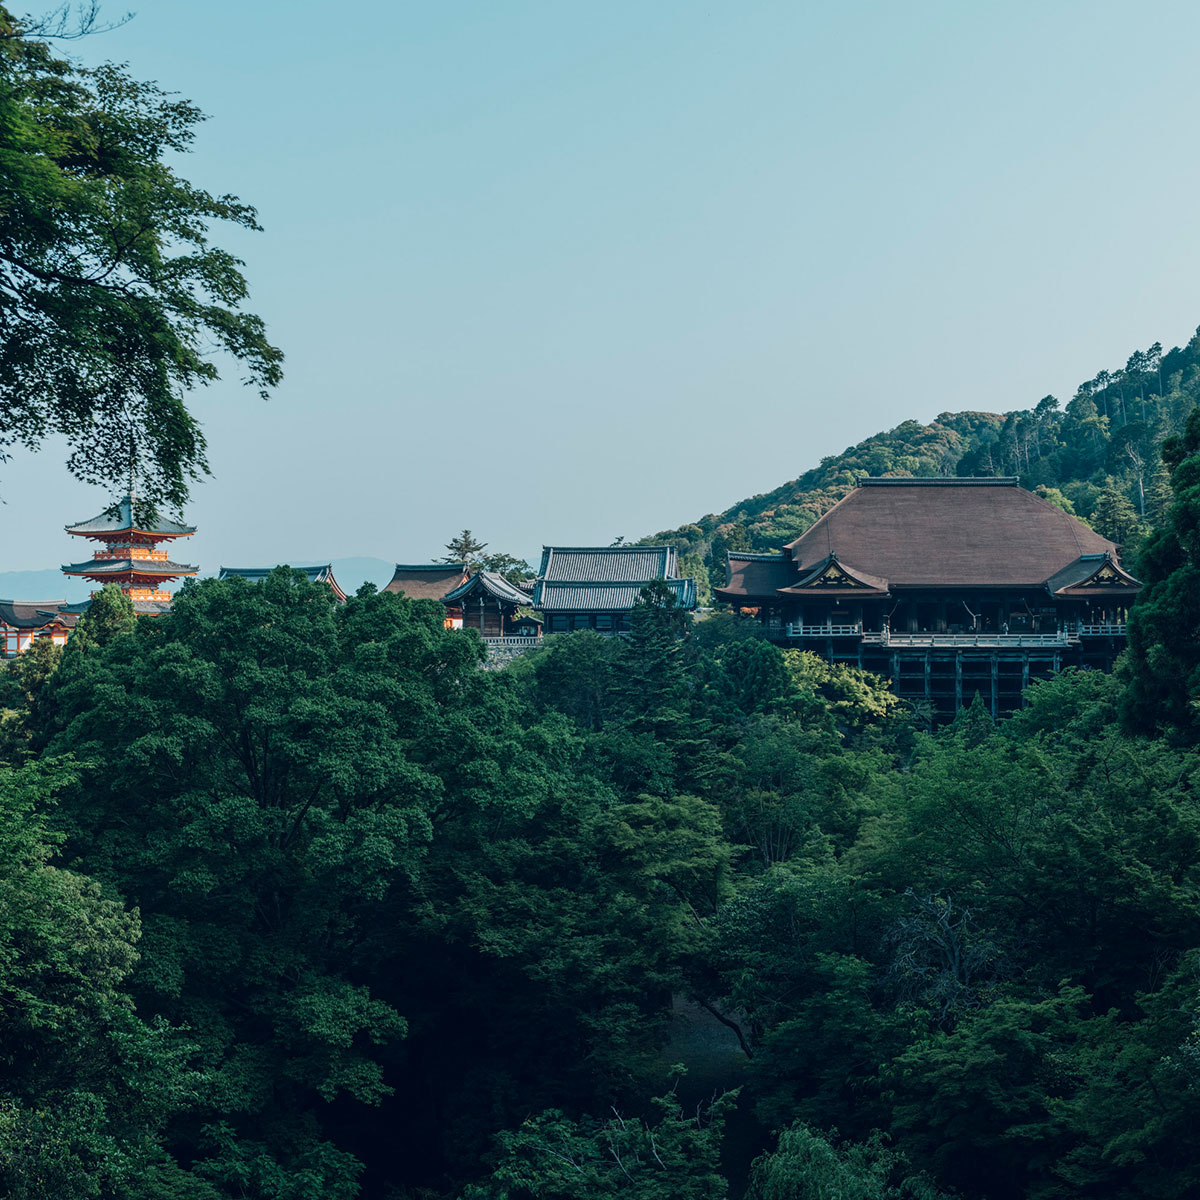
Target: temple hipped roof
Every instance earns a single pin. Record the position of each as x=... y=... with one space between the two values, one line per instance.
x=948 y=533
x=493 y=584
x=120 y=518
x=427 y=581
x=146 y=567
x=35 y=614
x=585 y=596
x=606 y=578
x=610 y=564
x=757 y=575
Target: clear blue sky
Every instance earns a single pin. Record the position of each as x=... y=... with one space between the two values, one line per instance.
x=562 y=271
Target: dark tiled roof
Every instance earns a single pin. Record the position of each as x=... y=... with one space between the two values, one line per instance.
x=143 y=608
x=567 y=596
x=936 y=481
x=427 y=581
x=120 y=519
x=949 y=533
x=1074 y=580
x=320 y=574
x=492 y=583
x=610 y=564
x=31 y=614
x=155 y=568
x=757 y=575
x=817 y=580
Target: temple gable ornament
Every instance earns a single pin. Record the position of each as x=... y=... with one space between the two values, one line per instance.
x=1108 y=576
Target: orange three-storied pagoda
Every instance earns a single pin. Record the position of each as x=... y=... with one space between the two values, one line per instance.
x=130 y=557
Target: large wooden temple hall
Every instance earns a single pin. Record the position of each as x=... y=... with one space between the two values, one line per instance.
x=947 y=587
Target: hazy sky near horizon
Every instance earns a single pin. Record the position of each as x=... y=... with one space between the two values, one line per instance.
x=562 y=272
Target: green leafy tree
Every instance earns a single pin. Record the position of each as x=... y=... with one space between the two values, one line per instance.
x=110 y=615
x=808 y=1166
x=27 y=677
x=1164 y=654
x=263 y=765
x=551 y=1157
x=87 y=1087
x=465 y=548
x=112 y=298
x=1115 y=516
x=512 y=568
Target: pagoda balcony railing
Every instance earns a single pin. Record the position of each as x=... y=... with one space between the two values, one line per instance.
x=513 y=642
x=1103 y=630
x=828 y=630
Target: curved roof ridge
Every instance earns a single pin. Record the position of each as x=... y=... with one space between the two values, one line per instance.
x=955 y=536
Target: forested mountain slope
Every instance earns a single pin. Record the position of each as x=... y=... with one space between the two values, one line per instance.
x=1097 y=456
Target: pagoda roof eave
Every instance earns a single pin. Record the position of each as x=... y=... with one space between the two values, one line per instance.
x=99 y=568
x=119 y=519
x=131 y=531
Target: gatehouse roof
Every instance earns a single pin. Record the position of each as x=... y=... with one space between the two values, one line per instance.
x=428 y=581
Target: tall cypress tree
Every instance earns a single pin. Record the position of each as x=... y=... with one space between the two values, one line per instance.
x=1164 y=652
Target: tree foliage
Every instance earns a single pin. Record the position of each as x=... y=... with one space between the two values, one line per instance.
x=112 y=298
x=301 y=901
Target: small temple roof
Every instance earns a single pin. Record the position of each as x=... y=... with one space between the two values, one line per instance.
x=120 y=519
x=1090 y=575
x=428 y=581
x=317 y=574
x=948 y=532
x=34 y=614
x=611 y=564
x=148 y=567
x=760 y=575
x=565 y=596
x=151 y=608
x=143 y=608
x=832 y=577
x=492 y=583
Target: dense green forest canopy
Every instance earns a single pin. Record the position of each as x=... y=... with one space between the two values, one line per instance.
x=298 y=901
x=1097 y=456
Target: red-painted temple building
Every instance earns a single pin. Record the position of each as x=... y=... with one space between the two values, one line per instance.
x=24 y=622
x=130 y=557
x=946 y=587
x=431 y=581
